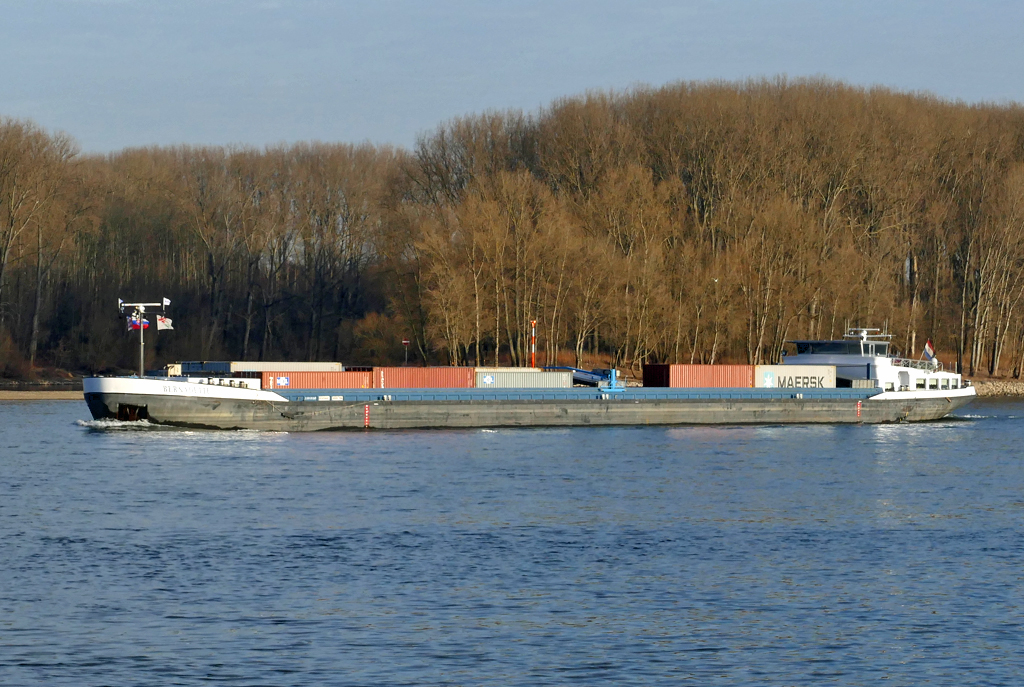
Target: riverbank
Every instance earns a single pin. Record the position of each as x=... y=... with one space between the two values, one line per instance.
x=997 y=387
x=36 y=395
x=54 y=386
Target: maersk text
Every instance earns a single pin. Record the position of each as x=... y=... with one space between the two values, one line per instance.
x=800 y=382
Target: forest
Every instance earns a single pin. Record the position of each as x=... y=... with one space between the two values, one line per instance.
x=696 y=222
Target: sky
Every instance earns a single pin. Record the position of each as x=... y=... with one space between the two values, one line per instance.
x=124 y=73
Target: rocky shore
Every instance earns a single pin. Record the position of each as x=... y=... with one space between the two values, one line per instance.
x=998 y=387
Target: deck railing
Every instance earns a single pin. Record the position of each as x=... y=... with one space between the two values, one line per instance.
x=933 y=365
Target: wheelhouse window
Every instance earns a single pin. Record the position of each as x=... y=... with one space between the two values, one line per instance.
x=828 y=347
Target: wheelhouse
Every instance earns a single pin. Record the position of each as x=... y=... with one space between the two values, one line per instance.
x=867 y=356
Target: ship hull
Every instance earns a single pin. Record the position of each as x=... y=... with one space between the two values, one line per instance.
x=611 y=409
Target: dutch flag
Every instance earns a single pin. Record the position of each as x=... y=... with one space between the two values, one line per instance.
x=929 y=351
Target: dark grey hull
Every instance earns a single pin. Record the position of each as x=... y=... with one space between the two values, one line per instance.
x=333 y=415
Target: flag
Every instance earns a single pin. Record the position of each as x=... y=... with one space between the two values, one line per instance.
x=163 y=322
x=133 y=323
x=929 y=351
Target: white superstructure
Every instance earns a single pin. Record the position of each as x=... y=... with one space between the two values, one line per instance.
x=185 y=387
x=865 y=357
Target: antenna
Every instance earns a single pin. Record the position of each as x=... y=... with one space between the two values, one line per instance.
x=138 y=310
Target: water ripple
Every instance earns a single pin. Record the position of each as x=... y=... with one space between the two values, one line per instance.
x=709 y=555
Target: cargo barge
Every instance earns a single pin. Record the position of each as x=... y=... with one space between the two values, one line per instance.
x=874 y=387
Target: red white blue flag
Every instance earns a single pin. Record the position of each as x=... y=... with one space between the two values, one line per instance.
x=133 y=323
x=929 y=351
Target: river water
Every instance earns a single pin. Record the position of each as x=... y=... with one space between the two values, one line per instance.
x=712 y=556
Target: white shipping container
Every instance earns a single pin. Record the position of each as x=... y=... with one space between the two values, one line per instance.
x=795 y=376
x=509 y=369
x=518 y=378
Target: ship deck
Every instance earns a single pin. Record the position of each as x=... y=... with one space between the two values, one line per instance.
x=574 y=394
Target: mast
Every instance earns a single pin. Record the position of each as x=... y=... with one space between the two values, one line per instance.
x=138 y=311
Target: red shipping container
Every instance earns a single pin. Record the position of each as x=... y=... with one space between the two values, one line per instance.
x=699 y=376
x=424 y=377
x=316 y=380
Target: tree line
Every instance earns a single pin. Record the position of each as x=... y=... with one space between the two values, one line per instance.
x=698 y=222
